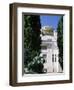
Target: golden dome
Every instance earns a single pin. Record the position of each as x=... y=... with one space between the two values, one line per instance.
x=47 y=30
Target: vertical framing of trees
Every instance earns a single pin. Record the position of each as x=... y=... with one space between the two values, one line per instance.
x=32 y=44
x=60 y=40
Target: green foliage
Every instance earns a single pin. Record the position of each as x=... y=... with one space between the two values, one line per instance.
x=32 y=42
x=37 y=64
x=60 y=40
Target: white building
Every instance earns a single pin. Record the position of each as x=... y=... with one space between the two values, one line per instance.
x=49 y=50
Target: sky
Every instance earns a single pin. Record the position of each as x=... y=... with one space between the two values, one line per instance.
x=50 y=20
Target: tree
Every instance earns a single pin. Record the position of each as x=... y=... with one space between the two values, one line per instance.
x=27 y=39
x=60 y=40
x=32 y=44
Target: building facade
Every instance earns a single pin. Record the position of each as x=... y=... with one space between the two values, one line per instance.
x=50 y=50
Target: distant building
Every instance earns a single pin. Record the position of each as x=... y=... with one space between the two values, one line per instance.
x=49 y=49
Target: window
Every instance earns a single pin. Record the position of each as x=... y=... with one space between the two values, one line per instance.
x=52 y=57
x=55 y=57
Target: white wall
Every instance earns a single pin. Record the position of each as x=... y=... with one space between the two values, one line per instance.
x=4 y=46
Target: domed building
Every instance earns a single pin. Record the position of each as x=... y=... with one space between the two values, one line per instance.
x=50 y=50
